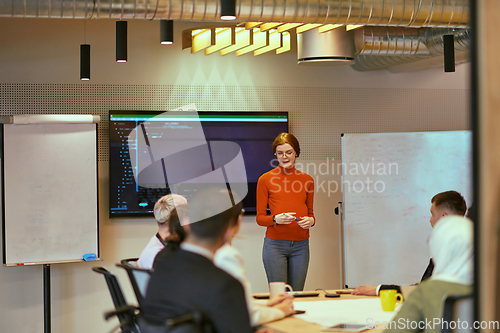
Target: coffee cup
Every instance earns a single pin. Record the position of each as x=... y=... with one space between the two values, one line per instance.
x=276 y=288
x=389 y=299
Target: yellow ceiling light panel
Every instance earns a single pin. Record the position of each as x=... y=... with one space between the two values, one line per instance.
x=243 y=38
x=352 y=26
x=288 y=26
x=203 y=39
x=328 y=27
x=285 y=43
x=260 y=39
x=251 y=25
x=224 y=37
x=307 y=27
x=274 y=43
x=268 y=26
x=197 y=32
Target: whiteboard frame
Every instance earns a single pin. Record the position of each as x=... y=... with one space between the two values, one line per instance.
x=466 y=192
x=95 y=247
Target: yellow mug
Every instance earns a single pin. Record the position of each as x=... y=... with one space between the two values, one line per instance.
x=389 y=298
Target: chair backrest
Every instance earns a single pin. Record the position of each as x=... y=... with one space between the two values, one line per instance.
x=458 y=314
x=139 y=277
x=113 y=287
x=126 y=318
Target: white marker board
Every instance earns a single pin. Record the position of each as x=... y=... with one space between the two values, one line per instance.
x=49 y=175
x=389 y=180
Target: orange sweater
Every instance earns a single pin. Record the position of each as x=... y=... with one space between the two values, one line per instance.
x=285 y=190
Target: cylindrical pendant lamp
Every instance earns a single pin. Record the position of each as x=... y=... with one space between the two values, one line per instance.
x=121 y=41
x=228 y=10
x=449 y=53
x=84 y=62
x=166 y=32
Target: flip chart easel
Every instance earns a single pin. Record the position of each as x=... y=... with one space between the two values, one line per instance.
x=49 y=192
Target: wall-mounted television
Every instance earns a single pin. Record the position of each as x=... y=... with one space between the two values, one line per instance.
x=254 y=132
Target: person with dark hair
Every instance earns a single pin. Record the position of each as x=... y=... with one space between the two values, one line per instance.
x=452 y=246
x=162 y=211
x=289 y=194
x=444 y=204
x=186 y=280
x=447 y=203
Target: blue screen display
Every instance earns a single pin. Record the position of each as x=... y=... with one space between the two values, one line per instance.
x=253 y=132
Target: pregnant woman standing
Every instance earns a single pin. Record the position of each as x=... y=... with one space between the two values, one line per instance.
x=289 y=193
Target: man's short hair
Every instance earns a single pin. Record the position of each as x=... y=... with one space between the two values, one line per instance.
x=451 y=200
x=206 y=220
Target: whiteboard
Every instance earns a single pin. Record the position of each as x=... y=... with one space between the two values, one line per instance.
x=388 y=182
x=49 y=175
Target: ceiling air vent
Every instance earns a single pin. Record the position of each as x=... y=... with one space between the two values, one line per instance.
x=331 y=48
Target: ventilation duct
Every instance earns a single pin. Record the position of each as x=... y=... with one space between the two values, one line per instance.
x=435 y=44
x=380 y=47
x=376 y=47
x=390 y=41
x=335 y=47
x=406 y=13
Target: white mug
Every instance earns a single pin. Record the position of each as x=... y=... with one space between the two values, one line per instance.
x=276 y=288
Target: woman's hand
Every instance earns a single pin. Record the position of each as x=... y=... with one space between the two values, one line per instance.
x=285 y=218
x=306 y=222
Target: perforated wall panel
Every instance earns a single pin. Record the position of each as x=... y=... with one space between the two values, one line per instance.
x=318 y=116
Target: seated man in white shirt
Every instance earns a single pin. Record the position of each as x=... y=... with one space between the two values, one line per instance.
x=162 y=211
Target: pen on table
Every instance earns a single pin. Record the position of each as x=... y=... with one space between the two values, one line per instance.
x=25 y=263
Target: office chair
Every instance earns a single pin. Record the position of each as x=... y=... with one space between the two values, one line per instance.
x=126 y=314
x=139 y=277
x=193 y=322
x=458 y=308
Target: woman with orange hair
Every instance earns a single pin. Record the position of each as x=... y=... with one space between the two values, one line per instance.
x=289 y=194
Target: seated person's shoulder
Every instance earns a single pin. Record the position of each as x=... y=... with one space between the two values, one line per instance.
x=162 y=255
x=220 y=282
x=202 y=268
x=224 y=276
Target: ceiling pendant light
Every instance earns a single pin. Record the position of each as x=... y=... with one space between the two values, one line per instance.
x=449 y=53
x=84 y=56
x=167 y=32
x=228 y=10
x=121 y=41
x=84 y=62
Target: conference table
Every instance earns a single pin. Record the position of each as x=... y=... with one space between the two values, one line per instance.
x=294 y=324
